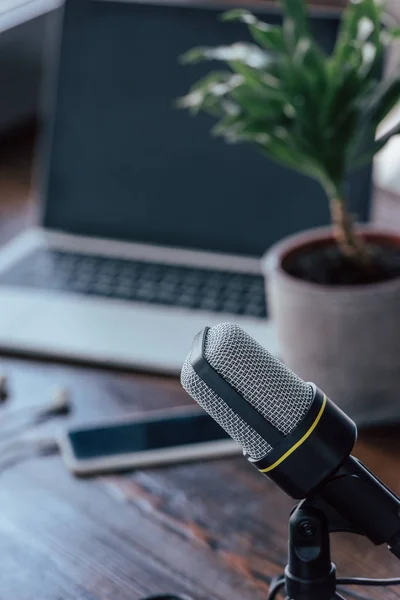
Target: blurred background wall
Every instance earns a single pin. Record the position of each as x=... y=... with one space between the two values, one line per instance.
x=23 y=26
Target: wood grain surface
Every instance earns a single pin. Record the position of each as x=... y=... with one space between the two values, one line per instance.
x=210 y=529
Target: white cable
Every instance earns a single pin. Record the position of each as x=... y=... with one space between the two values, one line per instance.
x=24 y=448
x=12 y=421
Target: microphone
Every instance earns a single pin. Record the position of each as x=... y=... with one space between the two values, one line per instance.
x=288 y=429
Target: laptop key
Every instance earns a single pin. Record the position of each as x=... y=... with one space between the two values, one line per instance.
x=187 y=300
x=210 y=304
x=144 y=293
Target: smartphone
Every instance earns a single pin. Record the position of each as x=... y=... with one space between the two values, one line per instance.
x=157 y=438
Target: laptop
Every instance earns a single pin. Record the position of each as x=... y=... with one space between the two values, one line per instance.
x=150 y=228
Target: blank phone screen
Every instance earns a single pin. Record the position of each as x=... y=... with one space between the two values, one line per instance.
x=142 y=436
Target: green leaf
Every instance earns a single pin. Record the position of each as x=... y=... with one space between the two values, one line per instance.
x=248 y=54
x=309 y=60
x=346 y=47
x=300 y=86
x=282 y=153
x=384 y=100
x=255 y=78
x=266 y=35
x=375 y=108
x=377 y=146
x=250 y=75
x=297 y=10
x=370 y=23
x=296 y=23
x=384 y=139
x=359 y=38
x=209 y=94
x=256 y=105
x=341 y=98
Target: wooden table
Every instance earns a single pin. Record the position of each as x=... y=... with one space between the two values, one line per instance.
x=211 y=529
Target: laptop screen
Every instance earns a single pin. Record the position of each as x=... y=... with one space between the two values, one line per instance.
x=125 y=163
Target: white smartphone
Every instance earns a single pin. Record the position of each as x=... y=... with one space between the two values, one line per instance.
x=156 y=438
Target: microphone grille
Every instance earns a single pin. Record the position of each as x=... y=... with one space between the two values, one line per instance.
x=252 y=443
x=279 y=395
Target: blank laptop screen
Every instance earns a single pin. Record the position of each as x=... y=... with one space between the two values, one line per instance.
x=124 y=163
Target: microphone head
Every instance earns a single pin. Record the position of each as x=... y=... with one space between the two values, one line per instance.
x=280 y=396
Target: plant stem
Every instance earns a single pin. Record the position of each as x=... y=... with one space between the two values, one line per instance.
x=351 y=244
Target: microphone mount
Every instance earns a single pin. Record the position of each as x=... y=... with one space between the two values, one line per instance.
x=310 y=573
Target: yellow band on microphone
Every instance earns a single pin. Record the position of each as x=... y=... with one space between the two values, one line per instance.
x=300 y=442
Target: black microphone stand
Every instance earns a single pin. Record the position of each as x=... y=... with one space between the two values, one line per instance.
x=310 y=573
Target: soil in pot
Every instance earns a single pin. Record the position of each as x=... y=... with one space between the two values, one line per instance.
x=325 y=264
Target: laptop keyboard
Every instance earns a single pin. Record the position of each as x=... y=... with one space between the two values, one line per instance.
x=133 y=280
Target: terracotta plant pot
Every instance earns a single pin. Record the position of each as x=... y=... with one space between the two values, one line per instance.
x=346 y=339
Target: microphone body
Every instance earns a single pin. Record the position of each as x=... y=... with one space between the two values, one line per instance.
x=289 y=430
x=313 y=451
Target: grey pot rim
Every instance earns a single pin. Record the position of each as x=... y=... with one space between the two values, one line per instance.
x=271 y=262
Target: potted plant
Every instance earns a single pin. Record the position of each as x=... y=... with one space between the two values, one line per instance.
x=334 y=293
